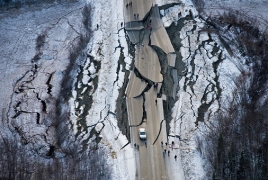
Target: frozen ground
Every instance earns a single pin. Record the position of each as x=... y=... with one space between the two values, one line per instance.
x=107 y=43
x=35 y=44
x=35 y=47
x=207 y=81
x=254 y=9
x=209 y=74
x=28 y=83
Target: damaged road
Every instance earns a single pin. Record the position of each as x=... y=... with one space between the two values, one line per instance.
x=144 y=99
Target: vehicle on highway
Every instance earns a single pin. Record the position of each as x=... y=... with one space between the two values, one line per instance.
x=142 y=133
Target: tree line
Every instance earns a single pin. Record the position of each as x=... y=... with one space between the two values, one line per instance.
x=18 y=162
x=237 y=145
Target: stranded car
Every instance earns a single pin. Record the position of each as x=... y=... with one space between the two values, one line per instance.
x=142 y=133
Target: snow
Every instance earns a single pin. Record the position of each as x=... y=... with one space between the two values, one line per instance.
x=19 y=29
x=105 y=48
x=253 y=8
x=102 y=47
x=171 y=15
x=185 y=111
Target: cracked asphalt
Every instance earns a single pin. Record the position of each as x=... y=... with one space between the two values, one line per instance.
x=146 y=109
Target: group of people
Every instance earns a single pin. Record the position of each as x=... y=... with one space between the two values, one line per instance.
x=129 y=4
x=162 y=145
x=136 y=16
x=168 y=152
x=138 y=147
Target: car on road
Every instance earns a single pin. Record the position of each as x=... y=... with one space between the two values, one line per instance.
x=142 y=133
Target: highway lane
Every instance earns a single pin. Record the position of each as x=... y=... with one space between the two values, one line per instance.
x=149 y=160
x=141 y=7
x=153 y=127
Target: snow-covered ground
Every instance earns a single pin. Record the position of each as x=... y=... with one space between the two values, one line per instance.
x=204 y=83
x=213 y=80
x=108 y=39
x=103 y=48
x=31 y=71
x=253 y=8
x=61 y=26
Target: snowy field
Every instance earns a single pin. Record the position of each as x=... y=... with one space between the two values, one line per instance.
x=35 y=43
x=105 y=46
x=254 y=9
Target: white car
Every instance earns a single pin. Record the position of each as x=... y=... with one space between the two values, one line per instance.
x=142 y=133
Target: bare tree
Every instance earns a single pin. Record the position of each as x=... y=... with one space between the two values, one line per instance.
x=239 y=142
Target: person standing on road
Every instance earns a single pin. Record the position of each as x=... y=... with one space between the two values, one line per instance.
x=155 y=85
x=163 y=153
x=145 y=144
x=135 y=145
x=161 y=143
x=168 y=152
x=166 y=143
x=175 y=157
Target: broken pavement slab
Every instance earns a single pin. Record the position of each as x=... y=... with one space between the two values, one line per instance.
x=174 y=75
x=171 y=57
x=135 y=110
x=134 y=36
x=135 y=86
x=160 y=111
x=134 y=30
x=153 y=126
x=131 y=26
x=155 y=19
x=152 y=110
x=148 y=66
x=159 y=36
x=147 y=63
x=160 y=39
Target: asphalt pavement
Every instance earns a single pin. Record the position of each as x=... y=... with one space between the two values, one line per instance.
x=145 y=109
